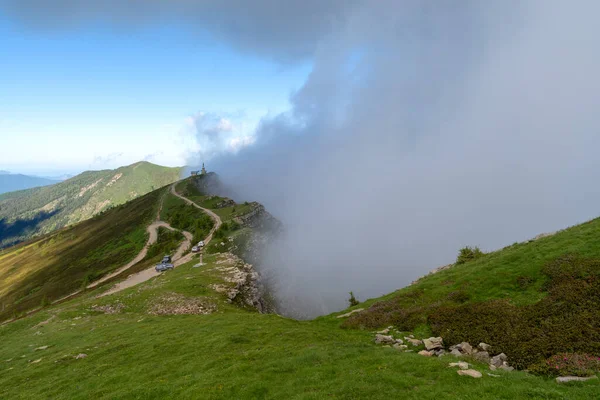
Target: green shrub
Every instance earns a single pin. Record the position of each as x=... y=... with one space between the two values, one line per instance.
x=567 y=320
x=352 y=300
x=468 y=253
x=565 y=364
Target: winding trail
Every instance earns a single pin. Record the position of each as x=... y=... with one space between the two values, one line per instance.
x=149 y=273
x=178 y=258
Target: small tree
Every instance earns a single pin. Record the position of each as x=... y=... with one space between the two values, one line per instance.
x=352 y=300
x=468 y=254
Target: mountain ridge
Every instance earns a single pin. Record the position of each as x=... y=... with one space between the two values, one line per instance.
x=31 y=212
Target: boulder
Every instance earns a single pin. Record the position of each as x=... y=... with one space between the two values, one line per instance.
x=384 y=332
x=433 y=343
x=460 y=364
x=465 y=348
x=383 y=339
x=506 y=367
x=470 y=372
x=400 y=346
x=439 y=352
x=456 y=352
x=425 y=353
x=482 y=356
x=565 y=379
x=414 y=342
x=484 y=346
x=498 y=360
x=399 y=341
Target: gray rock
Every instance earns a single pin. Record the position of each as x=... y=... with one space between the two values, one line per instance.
x=465 y=348
x=383 y=339
x=80 y=356
x=384 y=332
x=399 y=341
x=470 y=372
x=425 y=353
x=484 y=346
x=565 y=379
x=414 y=342
x=506 y=367
x=460 y=364
x=400 y=346
x=433 y=343
x=439 y=352
x=482 y=356
x=498 y=360
x=456 y=352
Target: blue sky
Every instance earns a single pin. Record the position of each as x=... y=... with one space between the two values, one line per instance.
x=100 y=97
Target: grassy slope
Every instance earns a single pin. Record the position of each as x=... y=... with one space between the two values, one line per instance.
x=27 y=213
x=232 y=353
x=496 y=275
x=236 y=353
x=62 y=262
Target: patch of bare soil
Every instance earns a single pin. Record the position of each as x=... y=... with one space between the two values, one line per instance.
x=177 y=304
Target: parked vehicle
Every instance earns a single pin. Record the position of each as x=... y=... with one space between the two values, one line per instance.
x=201 y=243
x=164 y=267
x=195 y=249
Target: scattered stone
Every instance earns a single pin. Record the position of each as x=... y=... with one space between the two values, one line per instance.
x=400 y=346
x=414 y=342
x=460 y=364
x=399 y=341
x=384 y=332
x=36 y=361
x=425 y=353
x=383 y=339
x=387 y=345
x=506 y=367
x=465 y=348
x=409 y=351
x=565 y=379
x=493 y=367
x=42 y=348
x=493 y=375
x=439 y=352
x=350 y=313
x=9 y=360
x=498 y=360
x=80 y=356
x=470 y=372
x=433 y=343
x=484 y=346
x=482 y=356
x=456 y=352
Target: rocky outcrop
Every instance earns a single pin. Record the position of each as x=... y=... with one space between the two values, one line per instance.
x=258 y=218
x=242 y=285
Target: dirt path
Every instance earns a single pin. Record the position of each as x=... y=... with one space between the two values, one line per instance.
x=178 y=258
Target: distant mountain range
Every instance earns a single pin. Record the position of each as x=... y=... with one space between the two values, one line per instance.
x=28 y=213
x=12 y=182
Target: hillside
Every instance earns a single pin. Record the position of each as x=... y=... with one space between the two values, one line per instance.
x=29 y=213
x=197 y=331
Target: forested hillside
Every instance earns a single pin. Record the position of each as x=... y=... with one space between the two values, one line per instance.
x=28 y=213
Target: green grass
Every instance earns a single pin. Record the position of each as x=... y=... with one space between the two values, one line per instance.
x=60 y=263
x=232 y=353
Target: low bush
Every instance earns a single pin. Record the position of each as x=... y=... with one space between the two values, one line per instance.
x=567 y=320
x=568 y=364
x=468 y=253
